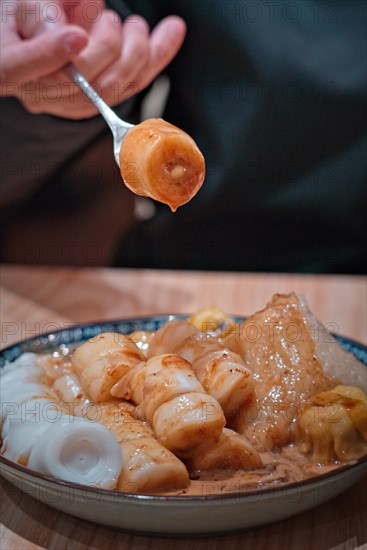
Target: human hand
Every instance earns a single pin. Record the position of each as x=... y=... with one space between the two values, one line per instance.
x=38 y=39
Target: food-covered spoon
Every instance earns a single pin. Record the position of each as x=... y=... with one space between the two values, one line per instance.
x=156 y=159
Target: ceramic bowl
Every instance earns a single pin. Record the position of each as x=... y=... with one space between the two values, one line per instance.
x=209 y=513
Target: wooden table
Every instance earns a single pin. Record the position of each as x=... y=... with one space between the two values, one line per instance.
x=35 y=300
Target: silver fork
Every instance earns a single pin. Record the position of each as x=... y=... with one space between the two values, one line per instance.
x=118 y=127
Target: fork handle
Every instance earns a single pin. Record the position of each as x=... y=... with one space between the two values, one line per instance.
x=110 y=117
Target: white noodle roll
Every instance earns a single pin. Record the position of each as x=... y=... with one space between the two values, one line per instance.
x=22 y=371
x=103 y=360
x=168 y=337
x=147 y=465
x=22 y=381
x=231 y=451
x=69 y=390
x=21 y=394
x=222 y=372
x=27 y=359
x=24 y=427
x=171 y=398
x=78 y=451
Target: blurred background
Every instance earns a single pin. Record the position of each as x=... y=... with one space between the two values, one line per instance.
x=274 y=94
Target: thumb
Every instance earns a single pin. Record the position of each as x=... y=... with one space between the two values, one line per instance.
x=41 y=55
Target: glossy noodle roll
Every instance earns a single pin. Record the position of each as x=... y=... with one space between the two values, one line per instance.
x=103 y=360
x=142 y=339
x=183 y=416
x=221 y=372
x=160 y=161
x=170 y=336
x=147 y=465
x=71 y=393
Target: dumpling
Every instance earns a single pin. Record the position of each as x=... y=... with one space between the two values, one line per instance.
x=333 y=425
x=212 y=320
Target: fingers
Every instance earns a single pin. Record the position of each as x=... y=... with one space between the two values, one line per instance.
x=33 y=18
x=44 y=54
x=165 y=41
x=104 y=47
x=122 y=78
x=84 y=13
x=119 y=59
x=142 y=57
x=135 y=54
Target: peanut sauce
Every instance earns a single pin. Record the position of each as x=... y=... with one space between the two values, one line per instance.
x=280 y=468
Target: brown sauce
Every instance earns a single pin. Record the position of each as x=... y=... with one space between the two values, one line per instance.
x=280 y=468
